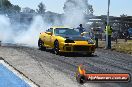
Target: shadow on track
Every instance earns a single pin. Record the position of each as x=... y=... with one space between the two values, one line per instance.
x=77 y=55
x=72 y=54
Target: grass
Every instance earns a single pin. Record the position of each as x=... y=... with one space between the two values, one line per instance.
x=121 y=46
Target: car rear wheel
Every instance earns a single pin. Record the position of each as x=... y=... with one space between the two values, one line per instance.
x=56 y=47
x=40 y=45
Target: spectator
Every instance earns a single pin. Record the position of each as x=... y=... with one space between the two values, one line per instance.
x=81 y=29
x=115 y=36
x=126 y=34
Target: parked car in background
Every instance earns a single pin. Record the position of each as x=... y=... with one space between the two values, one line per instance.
x=130 y=32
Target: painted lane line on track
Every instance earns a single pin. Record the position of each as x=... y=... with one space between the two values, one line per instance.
x=22 y=77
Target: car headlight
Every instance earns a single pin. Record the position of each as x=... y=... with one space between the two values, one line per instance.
x=69 y=41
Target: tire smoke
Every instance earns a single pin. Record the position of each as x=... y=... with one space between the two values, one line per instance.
x=31 y=35
x=28 y=37
x=15 y=33
x=6 y=32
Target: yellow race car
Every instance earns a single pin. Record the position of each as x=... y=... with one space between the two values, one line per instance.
x=63 y=39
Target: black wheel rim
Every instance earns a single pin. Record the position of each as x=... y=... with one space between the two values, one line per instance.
x=56 y=48
x=40 y=44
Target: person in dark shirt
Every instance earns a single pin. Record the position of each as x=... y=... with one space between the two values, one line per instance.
x=115 y=36
x=81 y=29
x=126 y=34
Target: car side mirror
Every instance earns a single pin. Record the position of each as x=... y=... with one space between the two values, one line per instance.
x=49 y=33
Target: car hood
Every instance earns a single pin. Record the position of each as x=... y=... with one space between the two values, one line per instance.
x=75 y=37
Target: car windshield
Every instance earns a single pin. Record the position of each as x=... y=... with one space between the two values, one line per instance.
x=130 y=29
x=66 y=31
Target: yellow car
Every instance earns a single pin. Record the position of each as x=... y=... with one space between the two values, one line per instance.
x=63 y=39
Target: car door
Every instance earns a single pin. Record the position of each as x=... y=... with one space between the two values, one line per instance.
x=45 y=38
x=48 y=37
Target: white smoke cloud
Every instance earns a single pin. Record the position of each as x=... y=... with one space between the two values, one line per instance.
x=27 y=37
x=30 y=36
x=75 y=12
x=73 y=16
x=74 y=19
x=6 y=32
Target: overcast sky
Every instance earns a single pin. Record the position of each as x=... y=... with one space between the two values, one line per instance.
x=117 y=7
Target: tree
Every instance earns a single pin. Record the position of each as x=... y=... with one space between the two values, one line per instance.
x=7 y=7
x=7 y=4
x=41 y=8
x=123 y=22
x=16 y=8
x=90 y=7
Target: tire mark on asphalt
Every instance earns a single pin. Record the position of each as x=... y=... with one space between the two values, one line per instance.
x=71 y=63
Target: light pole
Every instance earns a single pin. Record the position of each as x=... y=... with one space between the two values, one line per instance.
x=108 y=12
x=108 y=34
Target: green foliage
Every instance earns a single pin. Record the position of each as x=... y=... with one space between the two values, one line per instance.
x=7 y=7
x=90 y=9
x=7 y=4
x=41 y=8
x=16 y=8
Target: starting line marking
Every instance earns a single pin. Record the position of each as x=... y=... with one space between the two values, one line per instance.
x=20 y=76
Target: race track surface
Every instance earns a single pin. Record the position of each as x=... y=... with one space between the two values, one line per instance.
x=61 y=68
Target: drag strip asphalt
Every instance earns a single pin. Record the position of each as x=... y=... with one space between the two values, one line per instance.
x=103 y=61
